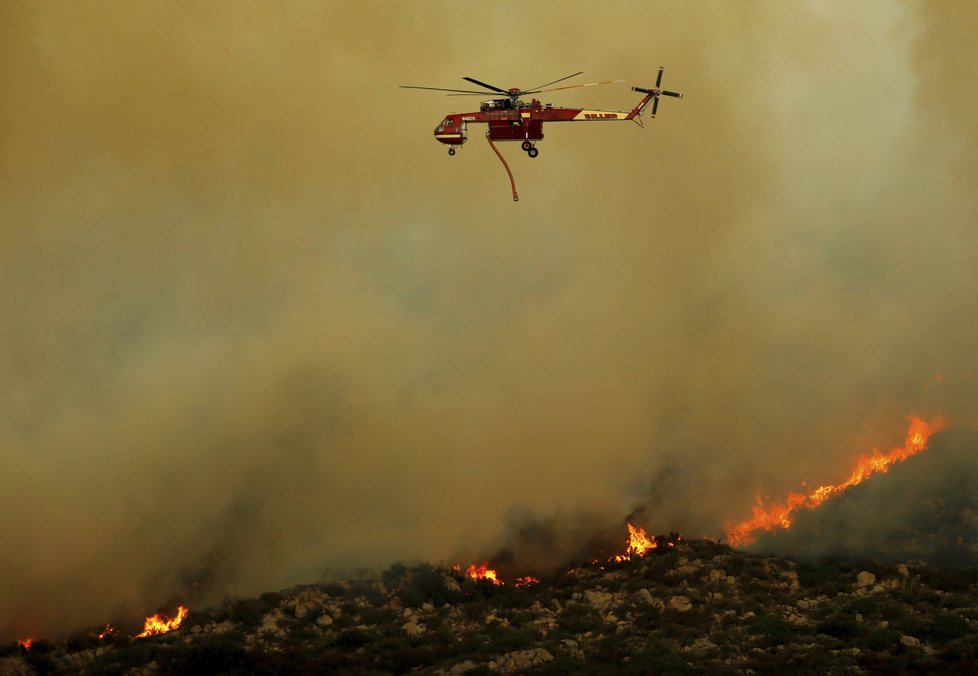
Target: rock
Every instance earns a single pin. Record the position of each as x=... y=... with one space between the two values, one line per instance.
x=700 y=645
x=572 y=647
x=522 y=660
x=324 y=620
x=864 y=579
x=224 y=627
x=428 y=608
x=717 y=576
x=680 y=603
x=463 y=667
x=643 y=596
x=597 y=599
x=903 y=571
x=412 y=629
x=910 y=641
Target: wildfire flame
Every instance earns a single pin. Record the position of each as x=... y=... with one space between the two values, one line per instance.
x=109 y=631
x=778 y=515
x=161 y=624
x=639 y=544
x=483 y=572
x=525 y=581
x=26 y=643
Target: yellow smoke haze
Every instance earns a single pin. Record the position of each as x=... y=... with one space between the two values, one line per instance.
x=255 y=323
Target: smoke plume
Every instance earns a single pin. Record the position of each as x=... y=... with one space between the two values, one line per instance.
x=256 y=323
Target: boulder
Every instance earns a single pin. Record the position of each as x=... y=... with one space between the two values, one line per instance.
x=680 y=603
x=597 y=599
x=864 y=579
x=411 y=628
x=910 y=641
x=643 y=596
x=522 y=660
x=324 y=620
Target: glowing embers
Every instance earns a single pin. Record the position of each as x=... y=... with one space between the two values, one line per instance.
x=483 y=572
x=777 y=515
x=26 y=643
x=161 y=624
x=525 y=581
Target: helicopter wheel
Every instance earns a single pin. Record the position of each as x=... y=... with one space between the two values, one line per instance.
x=532 y=152
x=451 y=151
x=526 y=145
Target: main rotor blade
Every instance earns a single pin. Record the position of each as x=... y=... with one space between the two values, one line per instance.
x=538 y=87
x=589 y=84
x=655 y=105
x=439 y=89
x=658 y=78
x=666 y=92
x=487 y=86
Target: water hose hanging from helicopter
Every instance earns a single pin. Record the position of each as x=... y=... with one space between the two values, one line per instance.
x=516 y=197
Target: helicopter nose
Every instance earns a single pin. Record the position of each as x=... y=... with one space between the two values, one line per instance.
x=447 y=132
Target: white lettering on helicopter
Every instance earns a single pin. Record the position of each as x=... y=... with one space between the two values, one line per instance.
x=600 y=116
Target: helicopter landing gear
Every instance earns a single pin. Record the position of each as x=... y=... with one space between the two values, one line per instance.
x=532 y=152
x=526 y=145
x=451 y=151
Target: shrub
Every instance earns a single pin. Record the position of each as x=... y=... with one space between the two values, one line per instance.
x=771 y=630
x=839 y=625
x=125 y=657
x=881 y=639
x=578 y=618
x=426 y=584
x=506 y=639
x=213 y=654
x=945 y=628
x=351 y=639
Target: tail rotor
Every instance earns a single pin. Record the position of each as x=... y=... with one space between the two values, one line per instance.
x=657 y=92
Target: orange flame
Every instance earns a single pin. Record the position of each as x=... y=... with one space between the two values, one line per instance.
x=26 y=643
x=525 y=581
x=109 y=631
x=638 y=541
x=639 y=544
x=483 y=572
x=160 y=624
x=778 y=515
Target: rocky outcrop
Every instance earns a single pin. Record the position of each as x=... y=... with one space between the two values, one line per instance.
x=697 y=603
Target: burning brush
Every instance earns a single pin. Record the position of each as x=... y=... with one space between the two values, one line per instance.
x=778 y=515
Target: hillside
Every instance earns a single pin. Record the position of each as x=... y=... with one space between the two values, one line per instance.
x=696 y=606
x=925 y=509
x=881 y=579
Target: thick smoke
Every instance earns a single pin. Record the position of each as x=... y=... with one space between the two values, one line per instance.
x=254 y=323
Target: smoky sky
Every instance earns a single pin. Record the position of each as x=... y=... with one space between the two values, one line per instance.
x=255 y=323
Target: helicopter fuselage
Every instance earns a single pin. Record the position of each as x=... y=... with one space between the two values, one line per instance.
x=515 y=120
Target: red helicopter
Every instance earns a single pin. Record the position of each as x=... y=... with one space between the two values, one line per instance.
x=512 y=119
